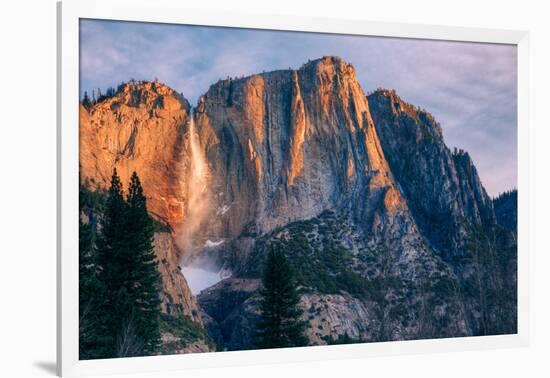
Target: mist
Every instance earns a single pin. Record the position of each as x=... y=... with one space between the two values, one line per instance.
x=204 y=270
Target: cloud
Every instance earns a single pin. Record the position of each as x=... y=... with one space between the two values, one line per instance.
x=471 y=88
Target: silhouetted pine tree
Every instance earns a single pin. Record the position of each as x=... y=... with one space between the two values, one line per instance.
x=129 y=310
x=146 y=278
x=279 y=325
x=90 y=293
x=86 y=100
x=113 y=259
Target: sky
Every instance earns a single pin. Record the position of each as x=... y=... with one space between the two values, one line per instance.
x=470 y=88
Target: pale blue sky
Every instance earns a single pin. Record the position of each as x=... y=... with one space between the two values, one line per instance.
x=470 y=88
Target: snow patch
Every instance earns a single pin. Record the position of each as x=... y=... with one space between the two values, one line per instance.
x=222 y=210
x=210 y=243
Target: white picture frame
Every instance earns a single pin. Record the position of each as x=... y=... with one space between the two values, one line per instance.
x=69 y=13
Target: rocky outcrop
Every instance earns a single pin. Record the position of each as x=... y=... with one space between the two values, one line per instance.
x=232 y=307
x=175 y=295
x=141 y=128
x=452 y=210
x=183 y=328
x=442 y=188
x=286 y=145
x=172 y=344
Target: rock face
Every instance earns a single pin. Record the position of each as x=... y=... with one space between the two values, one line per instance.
x=452 y=210
x=287 y=145
x=177 y=300
x=442 y=188
x=141 y=128
x=392 y=235
x=176 y=295
x=352 y=288
x=232 y=308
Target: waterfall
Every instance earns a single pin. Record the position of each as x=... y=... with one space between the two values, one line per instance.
x=198 y=194
x=198 y=169
x=200 y=268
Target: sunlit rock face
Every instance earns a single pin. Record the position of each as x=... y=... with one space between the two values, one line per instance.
x=286 y=145
x=141 y=128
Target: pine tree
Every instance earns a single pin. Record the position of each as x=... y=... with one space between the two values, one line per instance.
x=112 y=260
x=144 y=296
x=90 y=293
x=279 y=325
x=111 y=92
x=86 y=100
x=126 y=282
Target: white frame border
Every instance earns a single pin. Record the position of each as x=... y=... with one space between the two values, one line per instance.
x=166 y=11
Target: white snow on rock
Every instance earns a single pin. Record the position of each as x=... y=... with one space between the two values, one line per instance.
x=210 y=243
x=222 y=210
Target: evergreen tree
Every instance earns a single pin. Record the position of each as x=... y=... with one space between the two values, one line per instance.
x=146 y=278
x=110 y=92
x=119 y=280
x=90 y=293
x=86 y=100
x=279 y=325
x=113 y=264
x=129 y=311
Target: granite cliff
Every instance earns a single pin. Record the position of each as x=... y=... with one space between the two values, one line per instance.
x=452 y=209
x=140 y=128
